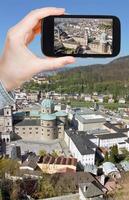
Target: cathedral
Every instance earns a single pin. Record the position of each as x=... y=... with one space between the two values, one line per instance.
x=40 y=125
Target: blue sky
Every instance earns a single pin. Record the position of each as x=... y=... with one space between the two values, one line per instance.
x=11 y=11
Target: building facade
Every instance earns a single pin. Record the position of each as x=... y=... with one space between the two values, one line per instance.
x=42 y=125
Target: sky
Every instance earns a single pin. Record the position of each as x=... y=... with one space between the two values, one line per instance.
x=12 y=11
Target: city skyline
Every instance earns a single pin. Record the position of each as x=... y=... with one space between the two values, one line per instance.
x=82 y=36
x=18 y=9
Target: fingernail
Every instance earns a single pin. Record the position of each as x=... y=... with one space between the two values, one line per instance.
x=62 y=9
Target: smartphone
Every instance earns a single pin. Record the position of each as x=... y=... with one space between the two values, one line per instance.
x=80 y=36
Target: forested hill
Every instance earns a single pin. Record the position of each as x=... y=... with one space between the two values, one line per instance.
x=110 y=78
x=117 y=70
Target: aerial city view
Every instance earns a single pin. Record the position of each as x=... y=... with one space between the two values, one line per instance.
x=82 y=36
x=62 y=140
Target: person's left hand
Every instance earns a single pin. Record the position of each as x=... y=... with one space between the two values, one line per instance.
x=18 y=63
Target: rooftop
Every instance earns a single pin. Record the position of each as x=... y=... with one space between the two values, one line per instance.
x=48 y=159
x=29 y=122
x=112 y=136
x=31 y=162
x=90 y=190
x=47 y=116
x=82 y=142
x=90 y=118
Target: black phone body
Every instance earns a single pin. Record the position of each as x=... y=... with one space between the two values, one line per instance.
x=81 y=36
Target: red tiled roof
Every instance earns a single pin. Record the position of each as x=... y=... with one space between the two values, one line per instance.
x=48 y=159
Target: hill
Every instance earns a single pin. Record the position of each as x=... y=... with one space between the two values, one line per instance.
x=110 y=78
x=117 y=70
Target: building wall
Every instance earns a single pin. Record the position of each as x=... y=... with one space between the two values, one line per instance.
x=90 y=126
x=47 y=110
x=49 y=129
x=54 y=168
x=29 y=132
x=95 y=141
x=8 y=119
x=60 y=131
x=84 y=159
x=110 y=142
x=67 y=139
x=2 y=123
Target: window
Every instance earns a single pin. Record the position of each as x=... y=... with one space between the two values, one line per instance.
x=42 y=129
x=30 y=132
x=48 y=130
x=36 y=128
x=8 y=123
x=23 y=132
x=48 y=134
x=23 y=128
x=30 y=128
x=36 y=132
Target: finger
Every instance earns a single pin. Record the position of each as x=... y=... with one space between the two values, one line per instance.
x=49 y=64
x=33 y=18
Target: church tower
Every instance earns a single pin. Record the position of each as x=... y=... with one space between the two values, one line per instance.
x=8 y=119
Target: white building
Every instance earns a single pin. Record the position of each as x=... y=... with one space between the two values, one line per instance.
x=122 y=100
x=110 y=169
x=88 y=98
x=108 y=140
x=81 y=146
x=89 y=121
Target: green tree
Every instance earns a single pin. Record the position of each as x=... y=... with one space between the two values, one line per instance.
x=54 y=154
x=42 y=152
x=106 y=158
x=105 y=99
x=114 y=154
x=8 y=166
x=46 y=188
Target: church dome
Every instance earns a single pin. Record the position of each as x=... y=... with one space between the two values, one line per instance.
x=48 y=117
x=47 y=103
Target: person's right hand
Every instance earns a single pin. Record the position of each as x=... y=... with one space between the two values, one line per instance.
x=18 y=63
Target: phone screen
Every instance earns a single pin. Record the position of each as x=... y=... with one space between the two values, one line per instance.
x=83 y=36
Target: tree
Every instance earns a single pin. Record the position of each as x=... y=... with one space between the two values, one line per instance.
x=54 y=154
x=106 y=158
x=8 y=166
x=105 y=99
x=114 y=154
x=45 y=188
x=125 y=153
x=42 y=152
x=16 y=190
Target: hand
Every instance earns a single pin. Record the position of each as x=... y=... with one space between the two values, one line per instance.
x=18 y=63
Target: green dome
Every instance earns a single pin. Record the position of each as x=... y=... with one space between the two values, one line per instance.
x=47 y=117
x=61 y=114
x=47 y=103
x=34 y=113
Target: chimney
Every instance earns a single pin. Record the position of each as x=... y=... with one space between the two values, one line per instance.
x=85 y=188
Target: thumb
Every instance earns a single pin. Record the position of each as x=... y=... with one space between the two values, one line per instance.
x=49 y=64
